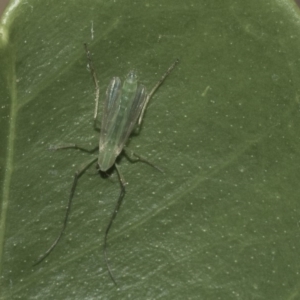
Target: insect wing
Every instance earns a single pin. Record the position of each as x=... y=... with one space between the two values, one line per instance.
x=135 y=111
x=108 y=132
x=121 y=110
x=111 y=106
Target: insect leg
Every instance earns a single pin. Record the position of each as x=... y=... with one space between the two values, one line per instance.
x=77 y=175
x=158 y=84
x=113 y=216
x=97 y=89
x=73 y=146
x=133 y=157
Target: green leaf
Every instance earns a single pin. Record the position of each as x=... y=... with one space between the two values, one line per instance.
x=222 y=222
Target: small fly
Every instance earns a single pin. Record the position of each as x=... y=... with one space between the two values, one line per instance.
x=123 y=109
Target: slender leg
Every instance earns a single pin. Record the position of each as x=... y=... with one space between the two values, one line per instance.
x=113 y=216
x=158 y=84
x=97 y=89
x=73 y=146
x=133 y=157
x=77 y=175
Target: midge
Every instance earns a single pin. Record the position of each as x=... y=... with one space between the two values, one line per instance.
x=123 y=108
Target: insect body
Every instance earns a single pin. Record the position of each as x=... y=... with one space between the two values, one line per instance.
x=123 y=106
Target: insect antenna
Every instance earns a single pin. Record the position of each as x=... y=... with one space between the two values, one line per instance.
x=113 y=216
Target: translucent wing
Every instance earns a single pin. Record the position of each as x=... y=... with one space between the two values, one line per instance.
x=121 y=110
x=111 y=107
x=136 y=109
